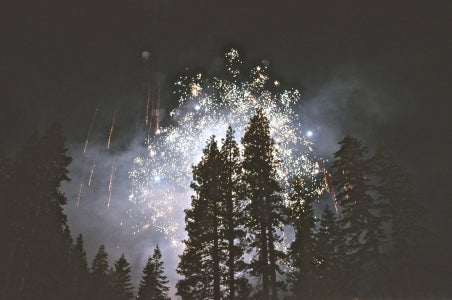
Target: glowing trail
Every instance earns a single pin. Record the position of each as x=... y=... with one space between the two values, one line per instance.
x=91 y=175
x=90 y=129
x=110 y=185
x=111 y=129
x=330 y=188
x=148 y=106
x=80 y=190
x=157 y=117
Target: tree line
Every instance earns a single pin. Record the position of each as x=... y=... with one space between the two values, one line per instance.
x=369 y=247
x=365 y=245
x=39 y=259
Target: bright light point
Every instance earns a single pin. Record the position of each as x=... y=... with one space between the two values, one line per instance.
x=309 y=133
x=157 y=132
x=157 y=178
x=197 y=107
x=276 y=83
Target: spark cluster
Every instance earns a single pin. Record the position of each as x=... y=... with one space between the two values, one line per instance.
x=207 y=106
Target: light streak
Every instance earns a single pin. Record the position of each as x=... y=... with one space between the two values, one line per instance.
x=111 y=129
x=91 y=174
x=90 y=129
x=110 y=185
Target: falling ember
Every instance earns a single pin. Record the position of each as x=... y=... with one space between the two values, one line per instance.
x=148 y=106
x=330 y=188
x=90 y=129
x=157 y=117
x=110 y=185
x=111 y=129
x=80 y=190
x=91 y=175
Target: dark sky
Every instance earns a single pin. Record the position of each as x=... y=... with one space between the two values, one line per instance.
x=378 y=70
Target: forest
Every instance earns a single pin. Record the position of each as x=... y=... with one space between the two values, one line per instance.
x=365 y=241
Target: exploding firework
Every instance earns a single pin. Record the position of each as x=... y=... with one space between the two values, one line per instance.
x=161 y=176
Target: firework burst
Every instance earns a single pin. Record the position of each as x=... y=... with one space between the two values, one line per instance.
x=161 y=176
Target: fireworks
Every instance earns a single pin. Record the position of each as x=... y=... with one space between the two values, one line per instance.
x=161 y=176
x=110 y=185
x=89 y=130
x=111 y=129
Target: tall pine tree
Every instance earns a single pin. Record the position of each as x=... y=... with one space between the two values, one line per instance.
x=203 y=279
x=153 y=285
x=404 y=214
x=265 y=210
x=360 y=219
x=232 y=229
x=37 y=240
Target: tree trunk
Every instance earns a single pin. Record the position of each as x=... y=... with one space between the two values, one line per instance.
x=271 y=249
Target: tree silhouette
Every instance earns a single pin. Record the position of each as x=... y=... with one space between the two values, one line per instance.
x=153 y=284
x=121 y=279
x=265 y=210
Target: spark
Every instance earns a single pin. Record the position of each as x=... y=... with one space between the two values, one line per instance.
x=111 y=129
x=309 y=133
x=91 y=175
x=89 y=130
x=110 y=185
x=80 y=190
x=148 y=106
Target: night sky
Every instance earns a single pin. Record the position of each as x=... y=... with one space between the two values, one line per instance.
x=378 y=71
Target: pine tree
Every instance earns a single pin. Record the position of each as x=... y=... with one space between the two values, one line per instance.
x=121 y=279
x=100 y=284
x=153 y=285
x=327 y=257
x=37 y=242
x=231 y=191
x=265 y=210
x=80 y=269
x=301 y=200
x=360 y=220
x=203 y=228
x=404 y=214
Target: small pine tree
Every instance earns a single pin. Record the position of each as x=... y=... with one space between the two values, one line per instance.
x=153 y=284
x=80 y=265
x=100 y=285
x=121 y=279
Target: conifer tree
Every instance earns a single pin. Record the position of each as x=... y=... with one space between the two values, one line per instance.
x=100 y=284
x=301 y=200
x=327 y=257
x=38 y=239
x=231 y=191
x=121 y=279
x=203 y=228
x=265 y=211
x=360 y=220
x=404 y=214
x=80 y=269
x=153 y=285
